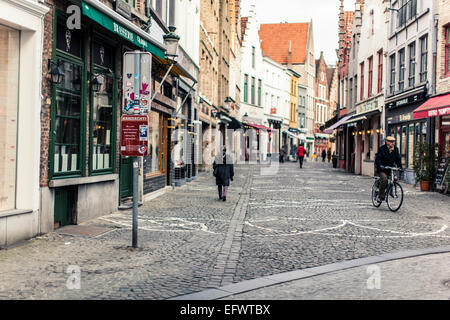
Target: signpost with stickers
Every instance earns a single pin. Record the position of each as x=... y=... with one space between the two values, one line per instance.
x=137 y=67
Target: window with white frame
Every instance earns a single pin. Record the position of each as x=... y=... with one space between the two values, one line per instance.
x=412 y=64
x=423 y=58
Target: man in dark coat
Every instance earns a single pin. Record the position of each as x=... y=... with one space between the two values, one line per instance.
x=224 y=172
x=387 y=156
x=324 y=155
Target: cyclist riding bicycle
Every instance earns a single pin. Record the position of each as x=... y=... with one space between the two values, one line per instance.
x=387 y=156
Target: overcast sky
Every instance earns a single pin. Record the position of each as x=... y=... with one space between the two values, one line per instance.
x=324 y=14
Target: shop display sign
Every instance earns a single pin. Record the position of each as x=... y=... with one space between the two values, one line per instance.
x=406 y=101
x=123 y=9
x=366 y=107
x=134 y=135
x=441 y=173
x=137 y=74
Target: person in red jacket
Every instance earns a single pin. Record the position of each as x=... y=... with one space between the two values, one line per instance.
x=301 y=154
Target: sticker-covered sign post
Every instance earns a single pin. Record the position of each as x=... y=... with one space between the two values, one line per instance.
x=134 y=121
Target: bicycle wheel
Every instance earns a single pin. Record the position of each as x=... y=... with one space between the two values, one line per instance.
x=394 y=196
x=375 y=189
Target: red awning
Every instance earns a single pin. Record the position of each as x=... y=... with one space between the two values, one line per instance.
x=436 y=106
x=258 y=126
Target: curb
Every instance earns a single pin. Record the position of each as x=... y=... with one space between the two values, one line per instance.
x=258 y=283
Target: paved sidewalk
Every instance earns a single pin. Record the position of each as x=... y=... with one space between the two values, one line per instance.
x=407 y=275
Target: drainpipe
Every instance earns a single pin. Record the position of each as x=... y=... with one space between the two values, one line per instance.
x=433 y=75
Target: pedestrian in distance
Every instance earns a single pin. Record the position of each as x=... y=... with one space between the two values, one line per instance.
x=387 y=156
x=224 y=172
x=329 y=155
x=324 y=155
x=283 y=153
x=301 y=154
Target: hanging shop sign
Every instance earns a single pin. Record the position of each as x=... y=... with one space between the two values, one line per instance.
x=134 y=135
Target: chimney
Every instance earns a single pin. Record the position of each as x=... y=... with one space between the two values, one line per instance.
x=290 y=53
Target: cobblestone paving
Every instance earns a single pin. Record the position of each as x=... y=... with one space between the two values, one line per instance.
x=190 y=241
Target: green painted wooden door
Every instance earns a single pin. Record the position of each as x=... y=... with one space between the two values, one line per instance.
x=126 y=177
x=61 y=210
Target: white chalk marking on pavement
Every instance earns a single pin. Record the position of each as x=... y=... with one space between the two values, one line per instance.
x=299 y=232
x=344 y=223
x=169 y=221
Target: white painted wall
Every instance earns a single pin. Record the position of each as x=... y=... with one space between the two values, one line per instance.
x=251 y=39
x=187 y=21
x=27 y=16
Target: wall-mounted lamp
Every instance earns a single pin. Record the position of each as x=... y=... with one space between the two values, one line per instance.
x=96 y=83
x=171 y=42
x=228 y=102
x=57 y=73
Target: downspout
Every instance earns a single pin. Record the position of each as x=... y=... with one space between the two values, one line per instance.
x=433 y=75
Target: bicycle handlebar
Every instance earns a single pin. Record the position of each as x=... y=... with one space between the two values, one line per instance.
x=391 y=168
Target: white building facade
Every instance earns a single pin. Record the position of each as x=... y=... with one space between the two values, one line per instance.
x=410 y=74
x=21 y=43
x=370 y=66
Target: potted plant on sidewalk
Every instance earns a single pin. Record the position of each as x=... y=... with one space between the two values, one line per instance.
x=424 y=164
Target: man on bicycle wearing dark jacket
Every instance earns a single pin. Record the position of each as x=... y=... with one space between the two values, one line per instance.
x=387 y=156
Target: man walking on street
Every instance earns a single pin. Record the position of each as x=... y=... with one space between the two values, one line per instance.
x=324 y=155
x=387 y=156
x=301 y=154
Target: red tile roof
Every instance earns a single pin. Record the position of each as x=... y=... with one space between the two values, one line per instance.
x=275 y=40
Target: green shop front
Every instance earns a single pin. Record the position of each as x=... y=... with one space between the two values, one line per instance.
x=87 y=177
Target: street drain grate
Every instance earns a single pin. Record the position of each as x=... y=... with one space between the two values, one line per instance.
x=433 y=217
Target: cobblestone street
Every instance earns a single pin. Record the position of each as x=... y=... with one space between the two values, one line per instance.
x=297 y=219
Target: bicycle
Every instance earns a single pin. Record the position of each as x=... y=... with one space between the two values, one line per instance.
x=394 y=191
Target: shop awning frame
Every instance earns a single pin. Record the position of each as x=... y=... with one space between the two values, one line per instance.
x=337 y=124
x=257 y=126
x=301 y=137
x=115 y=23
x=433 y=107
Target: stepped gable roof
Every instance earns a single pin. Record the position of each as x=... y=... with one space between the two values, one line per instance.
x=276 y=38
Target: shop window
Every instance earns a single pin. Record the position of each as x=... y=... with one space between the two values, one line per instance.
x=152 y=162
x=68 y=41
x=410 y=145
x=9 y=86
x=403 y=146
x=103 y=56
x=102 y=126
x=67 y=124
x=68 y=116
